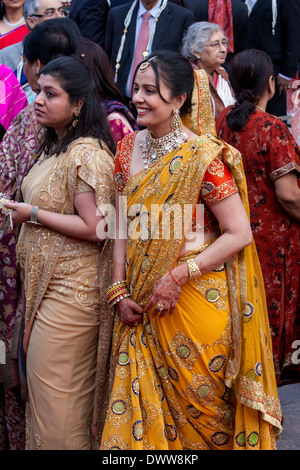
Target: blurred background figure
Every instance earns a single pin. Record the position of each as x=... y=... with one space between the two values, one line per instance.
x=271 y=160
x=35 y=12
x=12 y=22
x=231 y=15
x=121 y=121
x=66 y=5
x=90 y=16
x=136 y=29
x=273 y=27
x=205 y=45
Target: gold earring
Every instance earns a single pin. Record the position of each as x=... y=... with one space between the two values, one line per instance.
x=76 y=117
x=176 y=122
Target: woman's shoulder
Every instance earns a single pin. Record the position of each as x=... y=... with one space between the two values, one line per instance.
x=85 y=149
x=266 y=121
x=86 y=142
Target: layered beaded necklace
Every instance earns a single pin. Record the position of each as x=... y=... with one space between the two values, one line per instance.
x=154 y=149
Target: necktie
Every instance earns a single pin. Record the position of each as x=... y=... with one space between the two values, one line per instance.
x=141 y=44
x=250 y=4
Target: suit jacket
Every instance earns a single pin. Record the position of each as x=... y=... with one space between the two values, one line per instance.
x=90 y=16
x=284 y=46
x=170 y=28
x=239 y=18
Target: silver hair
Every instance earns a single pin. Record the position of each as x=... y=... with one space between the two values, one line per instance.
x=30 y=8
x=197 y=35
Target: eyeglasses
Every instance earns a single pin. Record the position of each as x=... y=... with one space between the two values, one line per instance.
x=223 y=43
x=50 y=13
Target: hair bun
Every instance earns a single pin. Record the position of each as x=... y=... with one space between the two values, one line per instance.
x=245 y=95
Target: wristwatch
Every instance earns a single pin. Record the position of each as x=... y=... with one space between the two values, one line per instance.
x=33 y=215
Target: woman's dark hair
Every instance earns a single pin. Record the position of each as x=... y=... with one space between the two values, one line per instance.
x=2 y=10
x=50 y=39
x=249 y=75
x=96 y=60
x=75 y=80
x=176 y=72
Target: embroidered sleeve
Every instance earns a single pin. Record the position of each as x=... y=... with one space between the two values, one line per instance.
x=122 y=162
x=217 y=183
x=82 y=187
x=95 y=168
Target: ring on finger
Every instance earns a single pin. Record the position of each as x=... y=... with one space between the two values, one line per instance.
x=159 y=306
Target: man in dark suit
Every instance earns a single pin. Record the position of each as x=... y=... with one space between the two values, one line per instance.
x=90 y=16
x=239 y=18
x=171 y=25
x=281 y=43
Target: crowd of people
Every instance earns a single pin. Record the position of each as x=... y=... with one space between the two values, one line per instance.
x=149 y=223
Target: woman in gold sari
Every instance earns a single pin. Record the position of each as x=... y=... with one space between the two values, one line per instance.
x=62 y=257
x=192 y=351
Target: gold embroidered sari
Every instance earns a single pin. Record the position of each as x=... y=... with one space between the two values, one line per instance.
x=67 y=321
x=203 y=377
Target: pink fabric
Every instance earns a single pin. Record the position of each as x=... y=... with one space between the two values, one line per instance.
x=12 y=96
x=118 y=129
x=141 y=44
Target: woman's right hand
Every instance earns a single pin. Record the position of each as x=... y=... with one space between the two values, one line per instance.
x=129 y=312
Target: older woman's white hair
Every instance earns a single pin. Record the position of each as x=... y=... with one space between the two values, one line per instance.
x=197 y=35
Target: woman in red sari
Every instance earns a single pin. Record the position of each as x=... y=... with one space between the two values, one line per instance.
x=12 y=22
x=271 y=160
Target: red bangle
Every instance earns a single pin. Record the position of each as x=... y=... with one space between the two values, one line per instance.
x=170 y=272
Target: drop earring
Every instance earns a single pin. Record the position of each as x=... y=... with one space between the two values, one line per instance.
x=176 y=122
x=76 y=117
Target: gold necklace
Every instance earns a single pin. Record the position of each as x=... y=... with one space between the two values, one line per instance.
x=154 y=149
x=261 y=109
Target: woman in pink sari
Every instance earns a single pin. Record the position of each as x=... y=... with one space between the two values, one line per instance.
x=12 y=98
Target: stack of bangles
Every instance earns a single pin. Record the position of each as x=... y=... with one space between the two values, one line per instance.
x=117 y=292
x=194 y=271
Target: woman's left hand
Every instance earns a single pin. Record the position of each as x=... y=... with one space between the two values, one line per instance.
x=20 y=211
x=165 y=296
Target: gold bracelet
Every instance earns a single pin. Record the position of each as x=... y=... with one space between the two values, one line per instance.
x=194 y=271
x=119 y=292
x=119 y=298
x=114 y=285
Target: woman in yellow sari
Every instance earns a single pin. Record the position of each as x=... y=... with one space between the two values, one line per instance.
x=65 y=265
x=193 y=362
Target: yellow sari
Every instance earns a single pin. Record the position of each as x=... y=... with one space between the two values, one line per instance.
x=203 y=377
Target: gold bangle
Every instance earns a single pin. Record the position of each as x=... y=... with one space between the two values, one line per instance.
x=114 y=285
x=194 y=271
x=119 y=298
x=112 y=296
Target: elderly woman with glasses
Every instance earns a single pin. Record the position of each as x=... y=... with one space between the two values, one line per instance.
x=205 y=45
